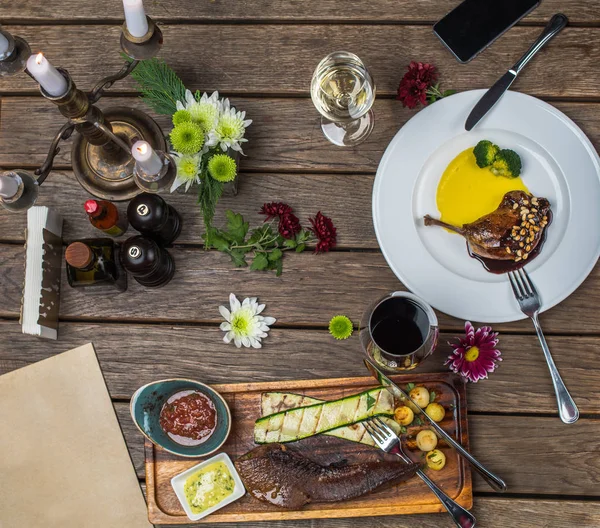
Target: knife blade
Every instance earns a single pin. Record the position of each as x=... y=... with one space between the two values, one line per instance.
x=494 y=481
x=493 y=95
x=490 y=98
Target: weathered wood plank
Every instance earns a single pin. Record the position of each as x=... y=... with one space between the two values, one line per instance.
x=285 y=135
x=351 y=210
x=419 y=11
x=133 y=355
x=561 y=460
x=225 y=57
x=311 y=290
x=491 y=512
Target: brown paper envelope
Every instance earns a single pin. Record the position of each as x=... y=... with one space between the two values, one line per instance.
x=63 y=459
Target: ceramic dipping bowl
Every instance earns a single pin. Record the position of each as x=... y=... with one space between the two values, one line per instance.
x=148 y=400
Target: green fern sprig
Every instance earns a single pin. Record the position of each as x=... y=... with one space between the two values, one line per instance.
x=208 y=196
x=159 y=85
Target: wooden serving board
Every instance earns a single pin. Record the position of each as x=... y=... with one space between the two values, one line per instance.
x=412 y=496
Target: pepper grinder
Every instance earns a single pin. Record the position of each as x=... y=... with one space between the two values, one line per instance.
x=150 y=265
x=153 y=217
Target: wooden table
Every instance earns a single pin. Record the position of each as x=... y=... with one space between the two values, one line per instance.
x=262 y=54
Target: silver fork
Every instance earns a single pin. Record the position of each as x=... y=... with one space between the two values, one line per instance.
x=529 y=302
x=389 y=442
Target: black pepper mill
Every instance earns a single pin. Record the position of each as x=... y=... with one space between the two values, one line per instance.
x=151 y=265
x=153 y=217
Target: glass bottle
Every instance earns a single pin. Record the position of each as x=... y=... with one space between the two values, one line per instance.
x=104 y=216
x=94 y=262
x=18 y=190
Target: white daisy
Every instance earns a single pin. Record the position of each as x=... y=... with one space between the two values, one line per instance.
x=204 y=111
x=230 y=128
x=243 y=322
x=188 y=170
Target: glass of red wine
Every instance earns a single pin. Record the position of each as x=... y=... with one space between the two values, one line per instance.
x=399 y=331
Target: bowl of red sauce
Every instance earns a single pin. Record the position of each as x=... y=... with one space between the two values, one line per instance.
x=185 y=417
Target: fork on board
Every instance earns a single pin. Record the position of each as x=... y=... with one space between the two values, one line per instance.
x=388 y=441
x=529 y=302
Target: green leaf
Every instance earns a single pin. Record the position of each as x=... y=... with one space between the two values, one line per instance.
x=260 y=262
x=290 y=244
x=370 y=402
x=448 y=92
x=300 y=248
x=237 y=228
x=158 y=84
x=417 y=421
x=276 y=254
x=238 y=257
x=279 y=268
x=431 y=396
x=410 y=386
x=403 y=429
x=208 y=195
x=214 y=238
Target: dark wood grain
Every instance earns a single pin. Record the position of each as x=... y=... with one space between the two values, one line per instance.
x=133 y=355
x=225 y=57
x=491 y=512
x=311 y=290
x=307 y=193
x=401 y=11
x=28 y=124
x=534 y=455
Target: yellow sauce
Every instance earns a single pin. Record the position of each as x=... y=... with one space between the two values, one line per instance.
x=466 y=192
x=208 y=487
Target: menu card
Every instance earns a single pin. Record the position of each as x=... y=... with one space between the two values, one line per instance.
x=63 y=459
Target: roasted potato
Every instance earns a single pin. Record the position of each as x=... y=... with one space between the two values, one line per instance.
x=427 y=440
x=436 y=460
x=435 y=411
x=420 y=395
x=404 y=415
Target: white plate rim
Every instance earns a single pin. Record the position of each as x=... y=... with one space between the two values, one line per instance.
x=464 y=102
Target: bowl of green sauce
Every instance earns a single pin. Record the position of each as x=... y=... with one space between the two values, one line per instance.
x=207 y=487
x=185 y=417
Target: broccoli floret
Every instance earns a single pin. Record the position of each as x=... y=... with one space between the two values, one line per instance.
x=507 y=163
x=485 y=152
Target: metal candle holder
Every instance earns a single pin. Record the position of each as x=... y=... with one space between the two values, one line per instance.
x=101 y=152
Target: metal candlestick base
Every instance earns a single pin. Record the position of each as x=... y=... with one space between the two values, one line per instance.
x=141 y=48
x=15 y=60
x=106 y=171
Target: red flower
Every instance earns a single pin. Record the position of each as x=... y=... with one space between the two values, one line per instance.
x=324 y=230
x=289 y=225
x=415 y=83
x=273 y=209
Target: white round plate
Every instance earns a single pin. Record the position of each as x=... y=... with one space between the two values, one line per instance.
x=559 y=163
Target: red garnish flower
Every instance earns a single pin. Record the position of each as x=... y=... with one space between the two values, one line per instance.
x=415 y=83
x=476 y=353
x=273 y=209
x=289 y=225
x=325 y=231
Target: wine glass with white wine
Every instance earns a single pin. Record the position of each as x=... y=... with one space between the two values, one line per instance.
x=343 y=91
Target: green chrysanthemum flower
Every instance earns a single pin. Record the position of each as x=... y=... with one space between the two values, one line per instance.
x=181 y=116
x=222 y=167
x=340 y=327
x=187 y=138
x=204 y=115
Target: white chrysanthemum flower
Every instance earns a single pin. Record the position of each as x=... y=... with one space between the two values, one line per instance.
x=204 y=112
x=230 y=128
x=188 y=170
x=243 y=323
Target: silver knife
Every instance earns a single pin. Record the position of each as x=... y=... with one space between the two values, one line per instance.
x=494 y=481
x=493 y=95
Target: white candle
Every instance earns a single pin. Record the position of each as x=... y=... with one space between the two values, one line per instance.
x=9 y=185
x=146 y=158
x=47 y=75
x=135 y=17
x=3 y=45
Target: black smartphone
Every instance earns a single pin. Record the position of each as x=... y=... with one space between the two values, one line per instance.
x=475 y=24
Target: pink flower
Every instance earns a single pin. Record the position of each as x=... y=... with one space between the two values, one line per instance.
x=475 y=355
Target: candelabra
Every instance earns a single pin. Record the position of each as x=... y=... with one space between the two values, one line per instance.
x=101 y=154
